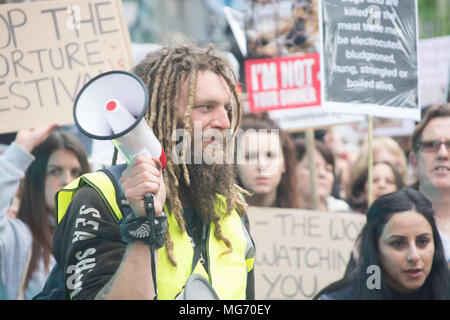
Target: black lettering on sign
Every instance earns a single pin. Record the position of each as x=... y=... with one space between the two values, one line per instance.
x=55 y=19
x=14 y=19
x=102 y=19
x=342 y=229
x=66 y=19
x=302 y=257
x=301 y=225
x=290 y=285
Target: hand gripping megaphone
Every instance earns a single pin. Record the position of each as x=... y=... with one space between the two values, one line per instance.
x=111 y=106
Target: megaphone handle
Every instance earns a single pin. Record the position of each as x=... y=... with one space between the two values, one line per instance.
x=150 y=211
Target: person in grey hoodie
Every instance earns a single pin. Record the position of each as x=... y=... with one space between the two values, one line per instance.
x=46 y=161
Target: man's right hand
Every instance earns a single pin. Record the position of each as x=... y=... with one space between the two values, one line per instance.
x=28 y=139
x=144 y=176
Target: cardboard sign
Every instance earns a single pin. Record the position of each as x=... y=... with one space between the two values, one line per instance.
x=369 y=61
x=299 y=252
x=49 y=50
x=284 y=82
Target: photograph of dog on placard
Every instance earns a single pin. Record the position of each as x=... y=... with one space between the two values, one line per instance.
x=281 y=28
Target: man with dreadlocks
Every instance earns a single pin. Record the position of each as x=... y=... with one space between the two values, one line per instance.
x=189 y=87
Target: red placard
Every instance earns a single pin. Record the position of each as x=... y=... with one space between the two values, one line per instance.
x=283 y=82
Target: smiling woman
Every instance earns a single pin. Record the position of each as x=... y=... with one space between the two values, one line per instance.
x=401 y=239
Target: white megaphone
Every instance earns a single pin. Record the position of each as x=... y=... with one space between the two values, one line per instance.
x=111 y=106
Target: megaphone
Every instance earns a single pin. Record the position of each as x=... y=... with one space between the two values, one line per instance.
x=111 y=106
x=197 y=288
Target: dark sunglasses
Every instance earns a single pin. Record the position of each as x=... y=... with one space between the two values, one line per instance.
x=432 y=145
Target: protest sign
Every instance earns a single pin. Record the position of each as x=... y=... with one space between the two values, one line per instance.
x=393 y=127
x=49 y=50
x=369 y=61
x=288 y=88
x=298 y=119
x=434 y=70
x=283 y=82
x=299 y=252
x=286 y=35
x=281 y=28
x=236 y=22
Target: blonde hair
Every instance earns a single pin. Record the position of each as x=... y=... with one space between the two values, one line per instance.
x=380 y=144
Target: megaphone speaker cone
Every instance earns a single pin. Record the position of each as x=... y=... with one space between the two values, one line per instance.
x=108 y=87
x=112 y=106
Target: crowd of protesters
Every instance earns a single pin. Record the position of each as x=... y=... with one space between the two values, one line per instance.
x=275 y=173
x=407 y=232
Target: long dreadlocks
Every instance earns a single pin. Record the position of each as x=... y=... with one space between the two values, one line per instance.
x=163 y=73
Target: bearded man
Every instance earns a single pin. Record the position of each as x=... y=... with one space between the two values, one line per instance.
x=189 y=87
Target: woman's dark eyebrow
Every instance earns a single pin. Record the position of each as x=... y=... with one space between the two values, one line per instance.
x=54 y=165
x=424 y=234
x=403 y=237
x=396 y=236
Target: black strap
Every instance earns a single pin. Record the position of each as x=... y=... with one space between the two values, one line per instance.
x=199 y=245
x=115 y=172
x=150 y=211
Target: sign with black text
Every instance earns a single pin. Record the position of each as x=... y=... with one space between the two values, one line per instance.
x=299 y=252
x=49 y=50
x=369 y=61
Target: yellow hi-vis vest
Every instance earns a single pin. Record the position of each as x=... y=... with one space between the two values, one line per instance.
x=227 y=272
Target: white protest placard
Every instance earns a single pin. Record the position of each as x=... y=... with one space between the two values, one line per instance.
x=299 y=252
x=49 y=50
x=297 y=119
x=369 y=61
x=434 y=70
x=236 y=21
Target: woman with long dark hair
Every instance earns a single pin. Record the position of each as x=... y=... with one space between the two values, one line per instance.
x=46 y=161
x=400 y=254
x=268 y=168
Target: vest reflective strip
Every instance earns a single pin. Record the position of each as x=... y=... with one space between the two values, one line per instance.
x=249 y=249
x=94 y=179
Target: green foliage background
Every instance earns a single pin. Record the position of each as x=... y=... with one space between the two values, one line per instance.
x=434 y=18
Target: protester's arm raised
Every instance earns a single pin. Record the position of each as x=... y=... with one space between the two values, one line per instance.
x=28 y=139
x=15 y=162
